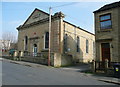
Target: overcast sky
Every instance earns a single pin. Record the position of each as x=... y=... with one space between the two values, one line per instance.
x=78 y=13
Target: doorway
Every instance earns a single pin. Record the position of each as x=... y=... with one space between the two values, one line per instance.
x=105 y=48
x=35 y=50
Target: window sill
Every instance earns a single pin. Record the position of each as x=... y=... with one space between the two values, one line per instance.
x=45 y=50
x=104 y=30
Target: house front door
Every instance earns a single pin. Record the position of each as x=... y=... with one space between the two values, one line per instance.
x=105 y=48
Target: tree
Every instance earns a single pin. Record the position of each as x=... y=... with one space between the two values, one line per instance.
x=7 y=39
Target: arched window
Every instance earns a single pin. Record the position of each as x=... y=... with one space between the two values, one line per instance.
x=25 y=43
x=87 y=46
x=65 y=43
x=78 y=44
x=46 y=40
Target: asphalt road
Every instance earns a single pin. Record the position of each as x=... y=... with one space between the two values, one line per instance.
x=15 y=74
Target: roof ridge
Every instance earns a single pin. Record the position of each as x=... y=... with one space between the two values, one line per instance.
x=41 y=11
x=78 y=27
x=108 y=6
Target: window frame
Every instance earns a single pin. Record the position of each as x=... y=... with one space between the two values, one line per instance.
x=25 y=43
x=45 y=41
x=78 y=44
x=87 y=46
x=105 y=20
x=66 y=43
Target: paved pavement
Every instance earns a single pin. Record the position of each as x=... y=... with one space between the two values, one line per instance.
x=0 y=72
x=80 y=78
x=83 y=67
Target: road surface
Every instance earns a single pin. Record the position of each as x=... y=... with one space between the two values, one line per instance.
x=15 y=74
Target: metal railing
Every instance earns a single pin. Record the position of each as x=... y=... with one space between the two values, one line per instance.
x=40 y=55
x=32 y=54
x=41 y=58
x=103 y=65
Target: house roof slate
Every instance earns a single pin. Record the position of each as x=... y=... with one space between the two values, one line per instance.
x=108 y=6
x=24 y=26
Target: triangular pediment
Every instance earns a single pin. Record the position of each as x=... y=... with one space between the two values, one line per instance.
x=36 y=15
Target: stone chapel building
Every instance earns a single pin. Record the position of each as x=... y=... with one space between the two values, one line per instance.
x=69 y=43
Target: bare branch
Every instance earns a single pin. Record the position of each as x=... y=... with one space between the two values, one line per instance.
x=7 y=39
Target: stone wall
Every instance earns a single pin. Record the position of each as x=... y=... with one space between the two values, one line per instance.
x=73 y=32
x=108 y=35
x=62 y=60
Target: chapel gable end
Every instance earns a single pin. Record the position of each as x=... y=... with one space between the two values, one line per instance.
x=36 y=15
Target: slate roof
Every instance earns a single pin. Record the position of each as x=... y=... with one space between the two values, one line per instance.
x=108 y=6
x=44 y=20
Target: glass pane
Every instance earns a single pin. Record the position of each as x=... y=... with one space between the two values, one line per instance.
x=87 y=46
x=106 y=24
x=77 y=40
x=78 y=44
x=105 y=45
x=65 y=43
x=47 y=36
x=47 y=40
x=26 y=42
x=105 y=17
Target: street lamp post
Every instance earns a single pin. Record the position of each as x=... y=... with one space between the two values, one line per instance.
x=50 y=11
